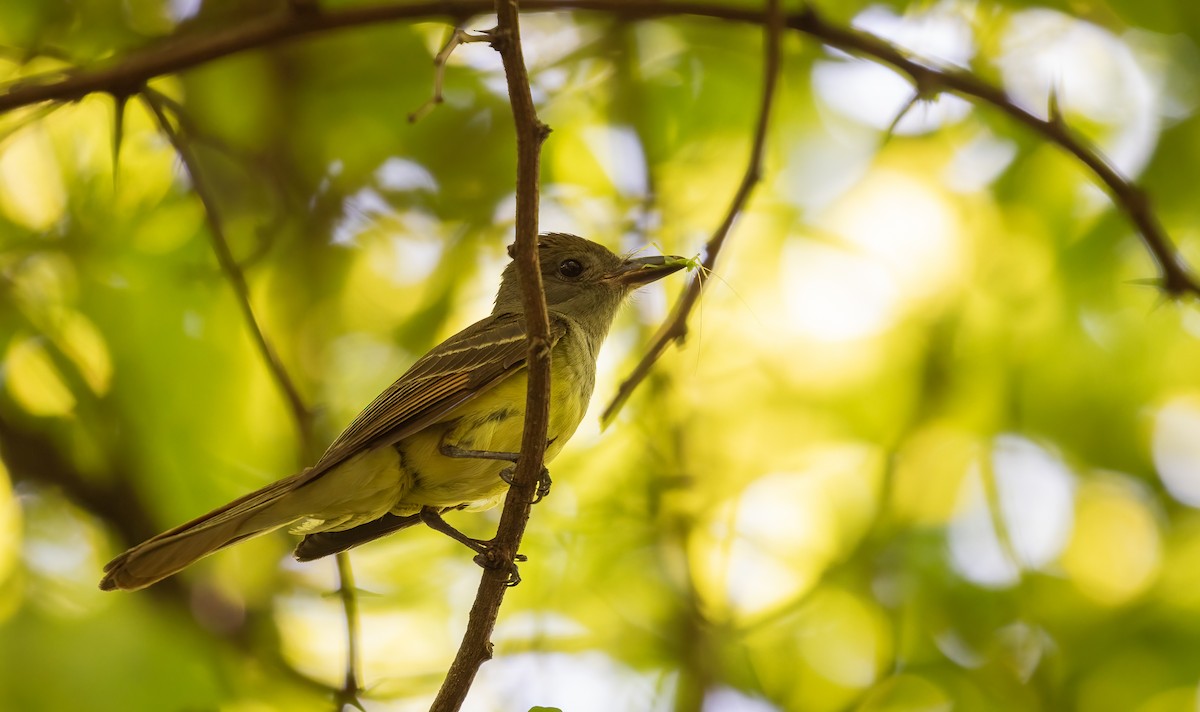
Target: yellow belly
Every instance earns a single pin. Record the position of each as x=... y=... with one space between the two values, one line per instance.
x=414 y=473
x=493 y=422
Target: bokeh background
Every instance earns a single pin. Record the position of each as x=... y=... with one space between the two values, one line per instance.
x=929 y=446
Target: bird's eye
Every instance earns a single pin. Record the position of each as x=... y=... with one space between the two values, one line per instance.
x=570 y=269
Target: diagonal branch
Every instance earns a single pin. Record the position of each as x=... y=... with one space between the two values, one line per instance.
x=675 y=328
x=1176 y=278
x=233 y=272
x=476 y=645
x=300 y=412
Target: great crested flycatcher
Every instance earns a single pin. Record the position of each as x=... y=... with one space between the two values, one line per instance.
x=437 y=438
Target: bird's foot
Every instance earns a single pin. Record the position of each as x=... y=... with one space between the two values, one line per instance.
x=487 y=554
x=432 y=518
x=493 y=560
x=543 y=483
x=455 y=451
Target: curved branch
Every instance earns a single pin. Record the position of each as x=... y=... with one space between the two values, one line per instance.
x=675 y=328
x=1176 y=277
x=125 y=75
x=301 y=414
x=476 y=646
x=233 y=272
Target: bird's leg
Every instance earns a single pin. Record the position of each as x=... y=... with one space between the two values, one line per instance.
x=482 y=548
x=432 y=518
x=455 y=451
x=543 y=483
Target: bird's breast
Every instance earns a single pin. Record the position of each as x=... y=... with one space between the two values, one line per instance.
x=493 y=421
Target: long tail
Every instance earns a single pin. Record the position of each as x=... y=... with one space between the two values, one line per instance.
x=155 y=559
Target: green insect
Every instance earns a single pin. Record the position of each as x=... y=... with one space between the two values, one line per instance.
x=688 y=263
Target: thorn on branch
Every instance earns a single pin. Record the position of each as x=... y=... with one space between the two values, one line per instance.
x=499 y=38
x=1054 y=109
x=124 y=88
x=928 y=85
x=1178 y=284
x=681 y=334
x=119 y=102
x=346 y=697
x=1174 y=285
x=904 y=110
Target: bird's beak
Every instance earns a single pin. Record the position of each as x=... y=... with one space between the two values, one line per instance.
x=644 y=270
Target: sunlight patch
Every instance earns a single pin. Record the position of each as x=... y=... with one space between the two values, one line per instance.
x=1176 y=448
x=32 y=192
x=1034 y=503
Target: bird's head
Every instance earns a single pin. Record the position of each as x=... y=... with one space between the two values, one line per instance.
x=583 y=279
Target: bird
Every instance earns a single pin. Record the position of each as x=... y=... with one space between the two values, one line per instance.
x=441 y=437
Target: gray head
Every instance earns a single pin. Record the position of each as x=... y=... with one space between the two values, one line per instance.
x=582 y=279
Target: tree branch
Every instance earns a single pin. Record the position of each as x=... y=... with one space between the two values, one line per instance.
x=476 y=645
x=174 y=54
x=457 y=37
x=300 y=412
x=348 y=593
x=233 y=272
x=675 y=328
x=127 y=75
x=1176 y=277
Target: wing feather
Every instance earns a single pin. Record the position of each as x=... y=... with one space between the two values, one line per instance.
x=465 y=365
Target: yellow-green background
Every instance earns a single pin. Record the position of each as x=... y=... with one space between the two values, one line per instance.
x=927 y=447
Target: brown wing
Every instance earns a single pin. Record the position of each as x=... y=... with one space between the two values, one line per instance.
x=460 y=368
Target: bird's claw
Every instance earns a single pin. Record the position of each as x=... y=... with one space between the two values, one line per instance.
x=485 y=547
x=543 y=486
x=543 y=483
x=489 y=559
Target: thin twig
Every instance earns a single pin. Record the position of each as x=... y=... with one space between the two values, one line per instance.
x=347 y=592
x=904 y=111
x=993 y=500
x=675 y=328
x=458 y=36
x=251 y=161
x=174 y=54
x=233 y=272
x=476 y=645
x=300 y=412
x=1176 y=277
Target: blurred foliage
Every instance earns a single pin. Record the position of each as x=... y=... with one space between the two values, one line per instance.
x=926 y=448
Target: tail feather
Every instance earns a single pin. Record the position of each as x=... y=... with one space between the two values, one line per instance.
x=257 y=513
